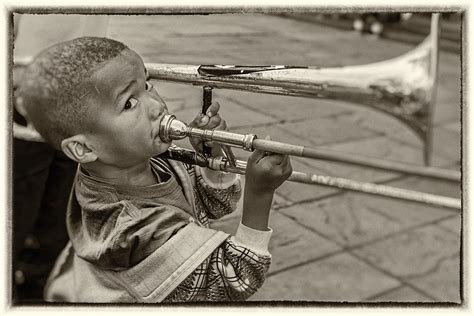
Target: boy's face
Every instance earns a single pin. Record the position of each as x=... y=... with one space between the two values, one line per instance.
x=126 y=112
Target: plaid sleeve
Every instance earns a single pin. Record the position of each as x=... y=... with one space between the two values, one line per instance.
x=231 y=273
x=216 y=201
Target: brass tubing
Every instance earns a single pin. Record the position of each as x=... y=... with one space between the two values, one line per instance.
x=173 y=129
x=347 y=184
x=378 y=189
x=303 y=151
x=243 y=141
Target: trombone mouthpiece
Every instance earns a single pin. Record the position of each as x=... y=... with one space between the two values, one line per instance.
x=172 y=129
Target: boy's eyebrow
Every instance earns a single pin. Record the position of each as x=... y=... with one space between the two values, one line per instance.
x=131 y=83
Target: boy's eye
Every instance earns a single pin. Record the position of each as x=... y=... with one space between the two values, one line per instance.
x=148 y=86
x=131 y=103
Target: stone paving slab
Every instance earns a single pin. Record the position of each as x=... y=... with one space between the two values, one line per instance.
x=376 y=121
x=453 y=126
x=448 y=93
x=247 y=39
x=402 y=294
x=285 y=108
x=427 y=258
x=319 y=131
x=452 y=224
x=309 y=133
x=444 y=282
x=338 y=278
x=446 y=144
x=353 y=218
x=387 y=149
x=444 y=112
x=291 y=244
x=446 y=141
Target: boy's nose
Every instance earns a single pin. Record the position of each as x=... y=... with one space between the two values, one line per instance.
x=154 y=113
x=155 y=109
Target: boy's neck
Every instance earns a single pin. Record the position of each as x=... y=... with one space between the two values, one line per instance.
x=137 y=175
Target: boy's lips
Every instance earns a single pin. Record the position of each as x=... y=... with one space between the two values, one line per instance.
x=156 y=131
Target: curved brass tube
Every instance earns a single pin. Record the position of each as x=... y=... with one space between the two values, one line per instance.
x=403 y=87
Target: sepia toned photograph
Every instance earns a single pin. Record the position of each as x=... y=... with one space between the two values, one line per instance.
x=236 y=158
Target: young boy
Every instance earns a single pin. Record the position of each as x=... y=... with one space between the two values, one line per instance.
x=138 y=225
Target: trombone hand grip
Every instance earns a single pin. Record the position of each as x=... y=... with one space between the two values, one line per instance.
x=277 y=147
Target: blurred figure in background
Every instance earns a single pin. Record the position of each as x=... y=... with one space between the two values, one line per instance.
x=374 y=22
x=42 y=176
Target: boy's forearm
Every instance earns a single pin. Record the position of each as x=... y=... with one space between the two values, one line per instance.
x=256 y=208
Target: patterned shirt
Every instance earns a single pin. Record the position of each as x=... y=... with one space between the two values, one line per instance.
x=233 y=272
x=152 y=243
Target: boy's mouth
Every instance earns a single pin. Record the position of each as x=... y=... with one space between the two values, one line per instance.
x=156 y=131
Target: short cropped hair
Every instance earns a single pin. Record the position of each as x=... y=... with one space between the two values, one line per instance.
x=54 y=84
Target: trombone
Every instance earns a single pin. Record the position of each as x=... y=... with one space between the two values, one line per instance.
x=403 y=87
x=173 y=129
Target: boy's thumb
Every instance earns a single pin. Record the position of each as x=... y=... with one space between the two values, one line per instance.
x=257 y=153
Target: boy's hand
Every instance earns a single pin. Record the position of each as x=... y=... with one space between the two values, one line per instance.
x=267 y=171
x=210 y=120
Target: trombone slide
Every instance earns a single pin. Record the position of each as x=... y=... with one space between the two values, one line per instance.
x=221 y=164
x=173 y=129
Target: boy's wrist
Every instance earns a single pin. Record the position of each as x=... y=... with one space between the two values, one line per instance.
x=256 y=209
x=251 y=222
x=258 y=190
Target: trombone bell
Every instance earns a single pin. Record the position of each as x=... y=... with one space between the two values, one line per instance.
x=403 y=87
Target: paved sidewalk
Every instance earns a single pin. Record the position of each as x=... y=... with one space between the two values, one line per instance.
x=328 y=245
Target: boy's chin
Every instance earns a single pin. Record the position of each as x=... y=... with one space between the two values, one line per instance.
x=163 y=148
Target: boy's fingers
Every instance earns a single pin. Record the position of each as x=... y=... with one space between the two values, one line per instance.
x=256 y=155
x=213 y=109
x=214 y=121
x=275 y=159
x=204 y=120
x=199 y=121
x=284 y=160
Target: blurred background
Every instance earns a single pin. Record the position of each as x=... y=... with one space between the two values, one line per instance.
x=328 y=245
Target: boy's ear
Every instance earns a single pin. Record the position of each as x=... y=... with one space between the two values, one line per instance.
x=75 y=148
x=20 y=107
